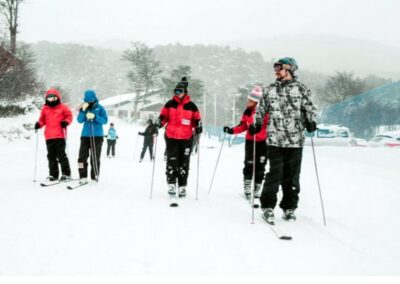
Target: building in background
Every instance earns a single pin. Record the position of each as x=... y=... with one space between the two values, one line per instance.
x=122 y=106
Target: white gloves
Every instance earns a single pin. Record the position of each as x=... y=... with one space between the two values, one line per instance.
x=84 y=106
x=90 y=116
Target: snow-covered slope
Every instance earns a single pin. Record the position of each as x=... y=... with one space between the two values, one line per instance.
x=114 y=228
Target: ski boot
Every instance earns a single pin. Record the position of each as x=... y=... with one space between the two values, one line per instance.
x=257 y=192
x=247 y=188
x=171 y=189
x=83 y=181
x=182 y=191
x=268 y=215
x=65 y=178
x=51 y=178
x=289 y=215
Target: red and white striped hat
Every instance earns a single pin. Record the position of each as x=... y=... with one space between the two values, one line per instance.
x=255 y=94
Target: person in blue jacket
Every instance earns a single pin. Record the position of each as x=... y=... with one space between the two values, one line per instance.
x=111 y=140
x=93 y=116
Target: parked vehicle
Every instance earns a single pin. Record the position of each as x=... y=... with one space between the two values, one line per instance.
x=386 y=139
x=333 y=135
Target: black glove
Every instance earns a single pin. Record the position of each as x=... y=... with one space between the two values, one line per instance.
x=37 y=125
x=228 y=130
x=198 y=129
x=64 y=124
x=311 y=126
x=158 y=124
x=254 y=128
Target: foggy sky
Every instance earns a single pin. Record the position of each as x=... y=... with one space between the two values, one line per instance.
x=206 y=21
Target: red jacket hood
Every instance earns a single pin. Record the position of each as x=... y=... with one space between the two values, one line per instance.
x=53 y=92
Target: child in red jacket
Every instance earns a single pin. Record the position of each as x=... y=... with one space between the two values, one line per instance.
x=181 y=116
x=55 y=116
x=261 y=147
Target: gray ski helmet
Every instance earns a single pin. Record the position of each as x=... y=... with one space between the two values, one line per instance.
x=288 y=63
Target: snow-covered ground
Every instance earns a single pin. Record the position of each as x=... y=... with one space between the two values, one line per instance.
x=114 y=228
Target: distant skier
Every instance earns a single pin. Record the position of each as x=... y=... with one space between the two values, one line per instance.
x=261 y=146
x=93 y=116
x=55 y=117
x=111 y=140
x=149 y=133
x=181 y=116
x=291 y=110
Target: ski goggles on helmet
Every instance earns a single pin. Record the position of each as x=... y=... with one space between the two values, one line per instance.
x=51 y=98
x=178 y=91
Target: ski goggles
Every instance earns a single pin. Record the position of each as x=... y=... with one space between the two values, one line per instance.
x=178 y=91
x=51 y=98
x=278 y=67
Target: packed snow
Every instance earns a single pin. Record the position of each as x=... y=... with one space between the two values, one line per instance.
x=114 y=228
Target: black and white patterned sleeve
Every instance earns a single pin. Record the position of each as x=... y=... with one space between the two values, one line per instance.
x=262 y=107
x=307 y=105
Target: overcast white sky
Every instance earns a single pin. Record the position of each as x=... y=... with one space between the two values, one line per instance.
x=206 y=21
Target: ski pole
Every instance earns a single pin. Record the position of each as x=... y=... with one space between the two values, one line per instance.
x=198 y=168
x=154 y=165
x=137 y=140
x=216 y=165
x=94 y=155
x=36 y=153
x=319 y=187
x=66 y=141
x=254 y=179
x=233 y=140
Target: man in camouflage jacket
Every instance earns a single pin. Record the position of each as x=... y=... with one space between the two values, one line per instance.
x=291 y=110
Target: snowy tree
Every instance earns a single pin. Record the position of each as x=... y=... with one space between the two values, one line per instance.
x=373 y=81
x=341 y=86
x=196 y=86
x=10 y=9
x=144 y=71
x=19 y=79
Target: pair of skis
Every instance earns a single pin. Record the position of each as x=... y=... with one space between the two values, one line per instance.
x=277 y=231
x=73 y=186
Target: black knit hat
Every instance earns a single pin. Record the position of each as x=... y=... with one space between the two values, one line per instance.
x=183 y=84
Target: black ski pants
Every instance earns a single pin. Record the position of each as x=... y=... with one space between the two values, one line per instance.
x=111 y=147
x=285 y=166
x=178 y=160
x=55 y=155
x=148 y=143
x=260 y=160
x=90 y=146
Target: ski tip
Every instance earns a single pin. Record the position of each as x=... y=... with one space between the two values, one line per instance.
x=173 y=205
x=286 y=238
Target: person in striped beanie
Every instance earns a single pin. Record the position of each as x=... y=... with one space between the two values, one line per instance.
x=260 y=144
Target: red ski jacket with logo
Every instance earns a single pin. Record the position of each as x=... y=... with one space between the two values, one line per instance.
x=181 y=116
x=51 y=118
x=246 y=120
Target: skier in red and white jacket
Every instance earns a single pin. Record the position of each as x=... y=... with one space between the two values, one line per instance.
x=261 y=147
x=181 y=116
x=55 y=117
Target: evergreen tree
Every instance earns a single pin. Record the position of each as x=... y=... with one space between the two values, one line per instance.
x=144 y=70
x=195 y=89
